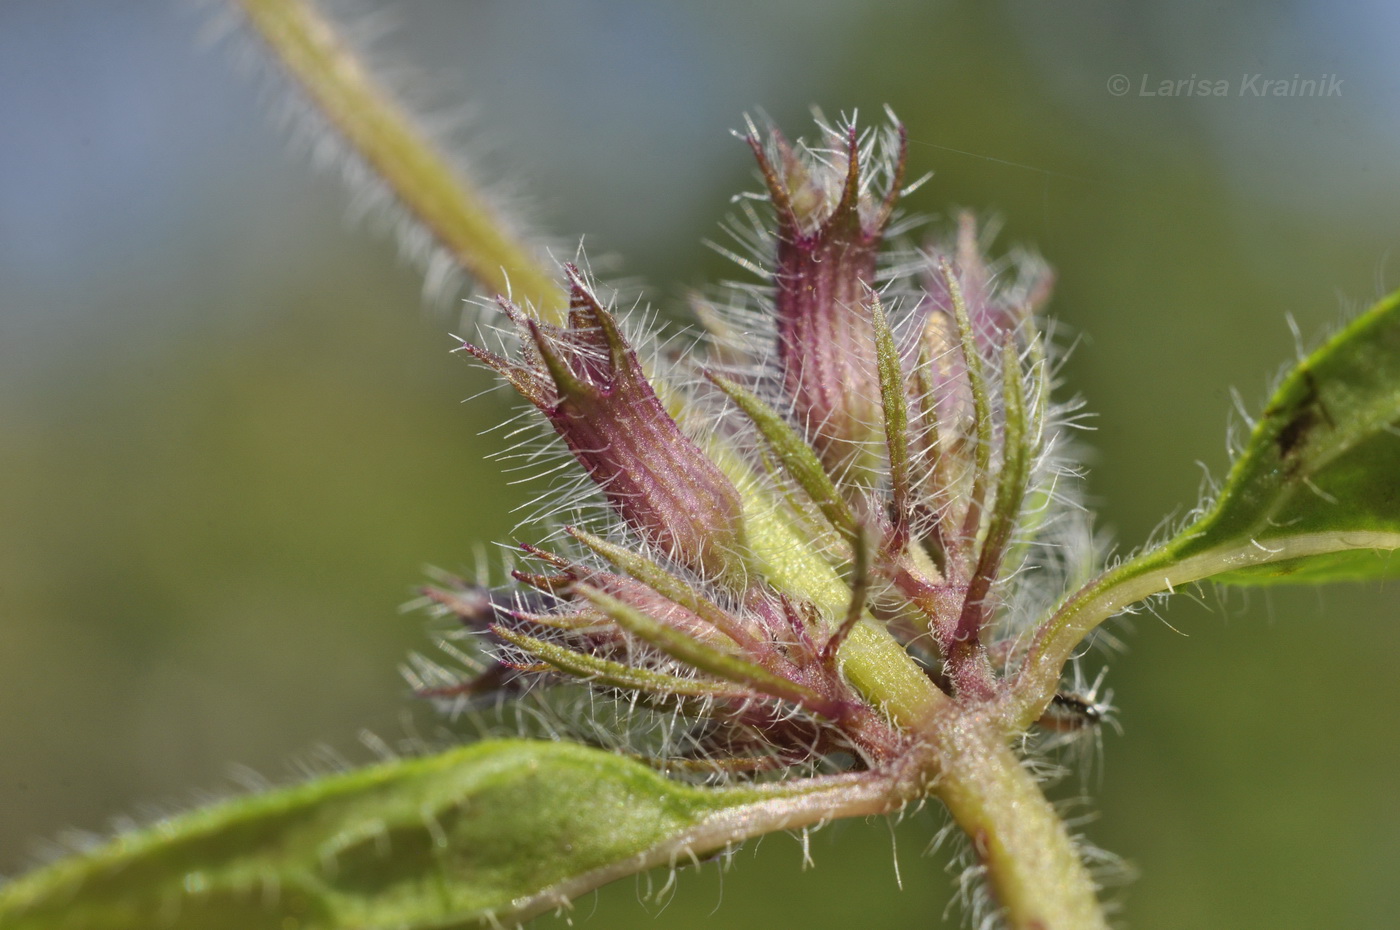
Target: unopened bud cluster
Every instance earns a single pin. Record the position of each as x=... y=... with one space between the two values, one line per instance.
x=860 y=453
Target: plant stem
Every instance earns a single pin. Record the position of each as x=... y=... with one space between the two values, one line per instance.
x=1036 y=874
x=378 y=130
x=881 y=670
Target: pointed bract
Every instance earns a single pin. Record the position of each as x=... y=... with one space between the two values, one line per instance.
x=588 y=382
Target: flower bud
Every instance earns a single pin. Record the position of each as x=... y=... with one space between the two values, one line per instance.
x=587 y=381
x=994 y=306
x=829 y=231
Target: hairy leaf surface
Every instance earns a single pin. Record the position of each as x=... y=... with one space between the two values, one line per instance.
x=1316 y=491
x=496 y=831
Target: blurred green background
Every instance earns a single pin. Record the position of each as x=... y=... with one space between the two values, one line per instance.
x=230 y=436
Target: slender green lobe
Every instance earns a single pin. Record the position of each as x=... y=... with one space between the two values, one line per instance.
x=497 y=831
x=1017 y=454
x=617 y=675
x=668 y=586
x=860 y=593
x=981 y=403
x=797 y=457
x=895 y=405
x=695 y=653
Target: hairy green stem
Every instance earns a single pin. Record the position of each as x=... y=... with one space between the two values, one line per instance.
x=376 y=127
x=1036 y=874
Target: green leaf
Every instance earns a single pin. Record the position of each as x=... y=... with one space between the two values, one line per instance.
x=493 y=832
x=1315 y=496
x=1316 y=491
